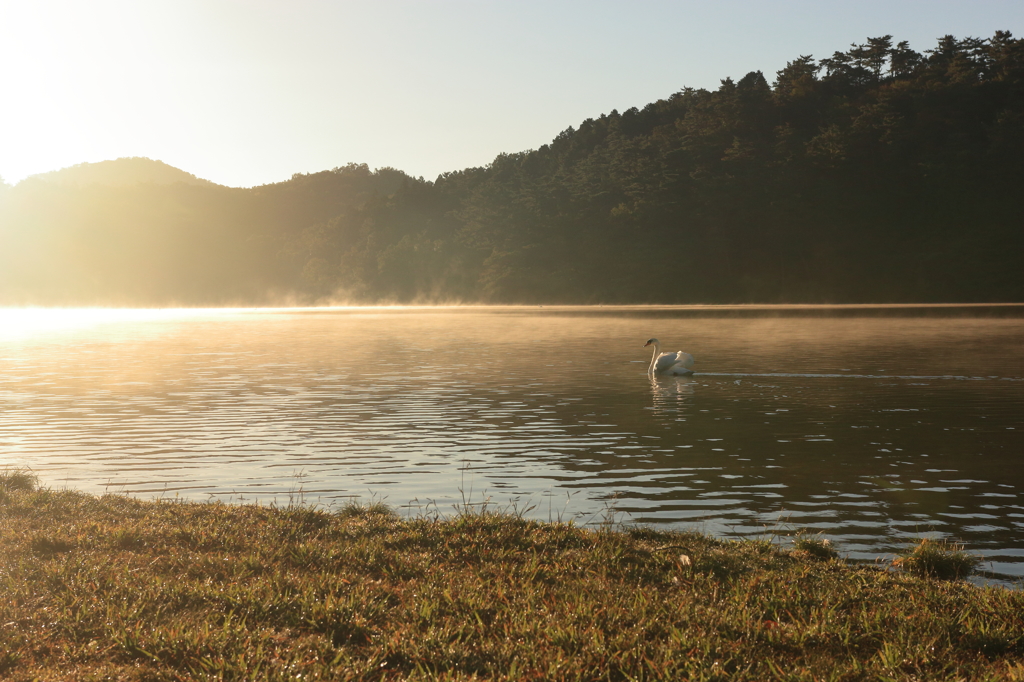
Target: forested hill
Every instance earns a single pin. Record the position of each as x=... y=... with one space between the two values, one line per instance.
x=125 y=171
x=878 y=174
x=181 y=243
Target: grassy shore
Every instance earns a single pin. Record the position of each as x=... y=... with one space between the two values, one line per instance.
x=97 y=588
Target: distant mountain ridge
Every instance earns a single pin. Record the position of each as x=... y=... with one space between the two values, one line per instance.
x=121 y=172
x=876 y=175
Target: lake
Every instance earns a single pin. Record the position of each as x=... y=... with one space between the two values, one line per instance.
x=871 y=425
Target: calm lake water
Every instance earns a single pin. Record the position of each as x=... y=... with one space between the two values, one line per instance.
x=870 y=425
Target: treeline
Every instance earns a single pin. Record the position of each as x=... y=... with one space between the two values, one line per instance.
x=878 y=174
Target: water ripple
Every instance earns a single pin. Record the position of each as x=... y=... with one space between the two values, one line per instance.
x=871 y=431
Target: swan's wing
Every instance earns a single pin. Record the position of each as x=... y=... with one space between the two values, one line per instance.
x=664 y=361
x=684 y=359
x=674 y=362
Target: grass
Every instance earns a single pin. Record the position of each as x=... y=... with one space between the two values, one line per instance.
x=938 y=559
x=805 y=546
x=12 y=480
x=114 y=588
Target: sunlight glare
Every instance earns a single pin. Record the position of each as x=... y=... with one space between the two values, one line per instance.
x=18 y=324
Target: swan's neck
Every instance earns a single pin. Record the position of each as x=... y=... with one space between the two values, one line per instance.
x=654 y=358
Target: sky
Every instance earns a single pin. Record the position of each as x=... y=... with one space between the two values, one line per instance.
x=249 y=92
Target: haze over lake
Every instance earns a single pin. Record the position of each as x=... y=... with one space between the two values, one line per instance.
x=870 y=425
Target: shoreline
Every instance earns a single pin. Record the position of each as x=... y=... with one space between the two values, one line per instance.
x=114 y=587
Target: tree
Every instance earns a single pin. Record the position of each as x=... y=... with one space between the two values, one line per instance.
x=798 y=79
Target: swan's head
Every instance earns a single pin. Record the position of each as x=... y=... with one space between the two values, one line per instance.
x=651 y=342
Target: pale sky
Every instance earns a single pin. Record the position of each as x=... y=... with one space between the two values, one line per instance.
x=247 y=92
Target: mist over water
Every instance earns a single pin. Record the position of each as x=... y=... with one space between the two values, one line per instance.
x=871 y=426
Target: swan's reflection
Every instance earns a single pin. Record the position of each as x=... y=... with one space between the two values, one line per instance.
x=670 y=393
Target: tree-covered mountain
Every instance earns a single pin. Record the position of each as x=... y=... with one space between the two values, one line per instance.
x=121 y=172
x=161 y=244
x=877 y=174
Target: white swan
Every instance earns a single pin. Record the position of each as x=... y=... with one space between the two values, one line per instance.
x=678 y=363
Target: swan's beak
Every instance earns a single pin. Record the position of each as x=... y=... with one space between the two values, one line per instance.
x=647 y=344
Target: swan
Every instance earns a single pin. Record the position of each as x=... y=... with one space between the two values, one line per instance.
x=678 y=363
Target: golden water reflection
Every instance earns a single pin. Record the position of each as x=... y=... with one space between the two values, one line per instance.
x=870 y=429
